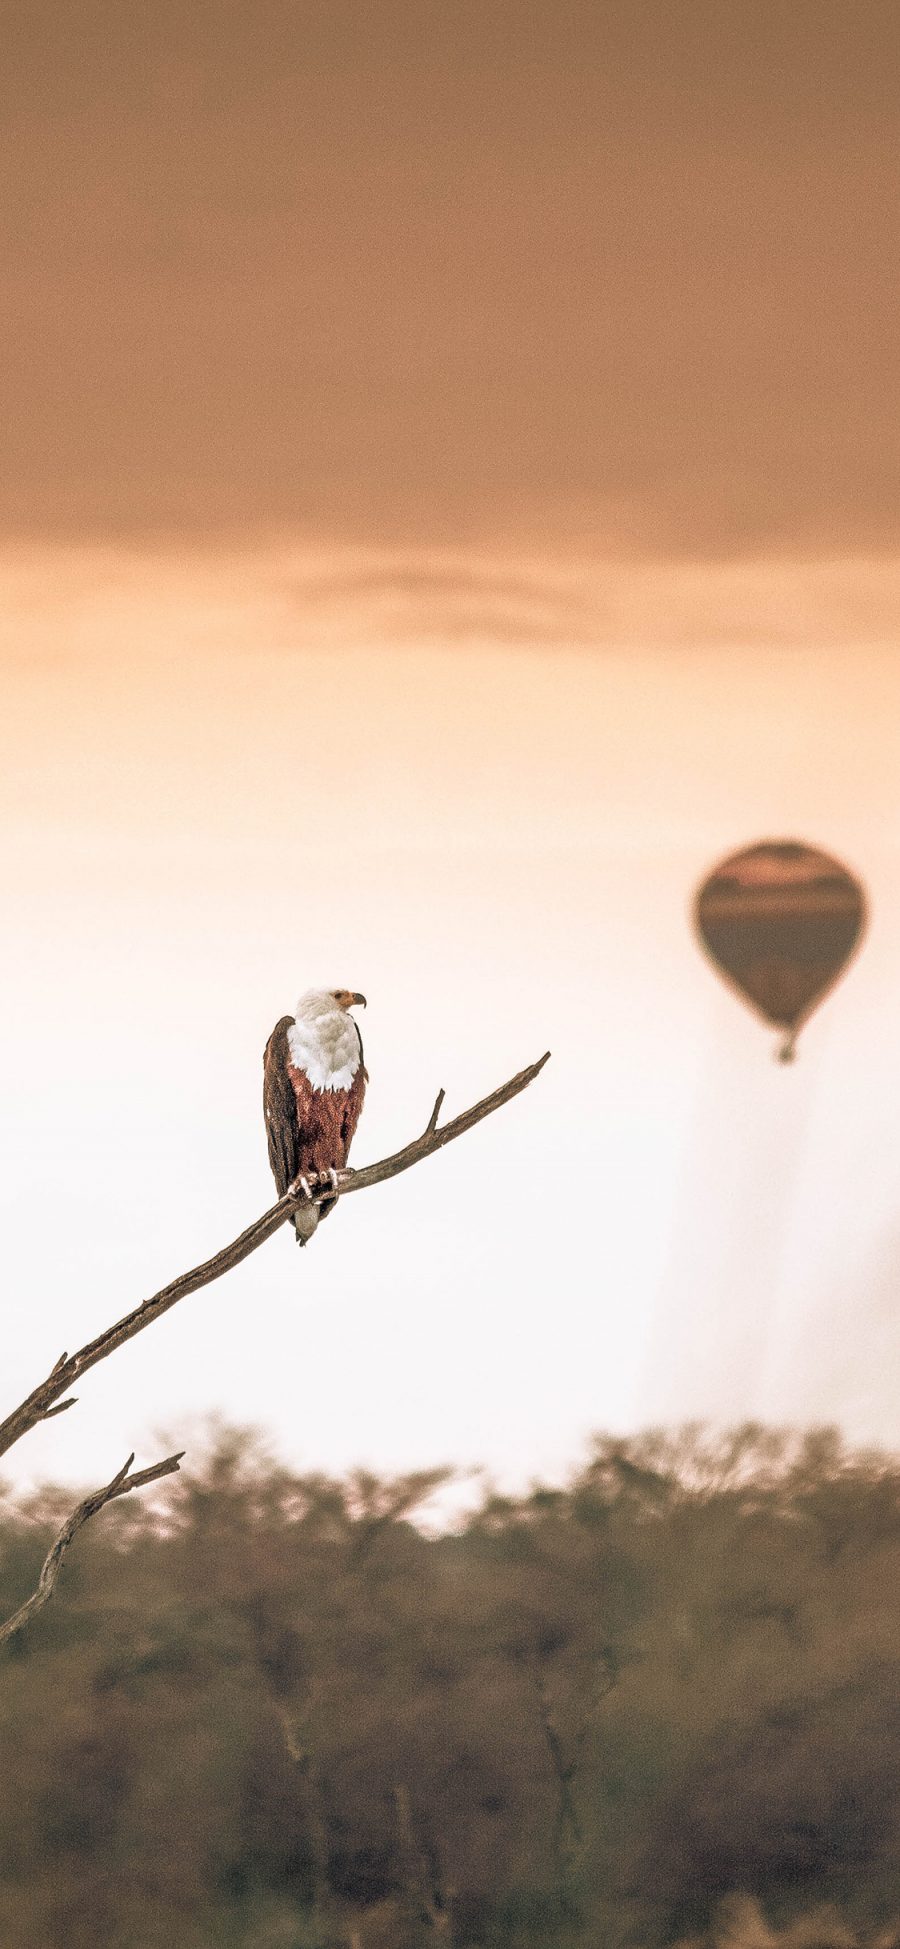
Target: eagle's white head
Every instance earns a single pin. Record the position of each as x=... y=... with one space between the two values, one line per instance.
x=323 y=1038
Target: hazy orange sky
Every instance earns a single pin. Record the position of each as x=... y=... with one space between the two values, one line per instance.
x=447 y=499
x=602 y=274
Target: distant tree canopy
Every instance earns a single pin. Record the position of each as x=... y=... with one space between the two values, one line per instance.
x=282 y=1716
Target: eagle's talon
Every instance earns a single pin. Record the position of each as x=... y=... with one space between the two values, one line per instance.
x=334 y=1179
x=302 y=1185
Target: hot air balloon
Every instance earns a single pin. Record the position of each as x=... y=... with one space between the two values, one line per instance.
x=780 y=922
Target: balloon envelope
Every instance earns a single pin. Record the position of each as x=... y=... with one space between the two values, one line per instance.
x=780 y=921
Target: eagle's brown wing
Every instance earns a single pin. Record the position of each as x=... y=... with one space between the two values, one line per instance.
x=280 y=1108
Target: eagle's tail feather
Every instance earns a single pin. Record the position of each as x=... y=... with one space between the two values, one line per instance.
x=306 y=1218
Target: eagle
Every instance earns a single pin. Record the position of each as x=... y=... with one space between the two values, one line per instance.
x=314 y=1082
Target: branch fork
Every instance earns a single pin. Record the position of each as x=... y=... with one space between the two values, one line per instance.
x=120 y=1485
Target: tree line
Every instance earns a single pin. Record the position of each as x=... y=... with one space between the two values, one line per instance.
x=282 y=1711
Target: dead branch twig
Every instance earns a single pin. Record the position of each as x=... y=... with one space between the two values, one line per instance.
x=41 y=1402
x=120 y=1485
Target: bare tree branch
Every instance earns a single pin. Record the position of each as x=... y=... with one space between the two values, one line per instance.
x=42 y=1402
x=431 y=1125
x=120 y=1485
x=60 y=1408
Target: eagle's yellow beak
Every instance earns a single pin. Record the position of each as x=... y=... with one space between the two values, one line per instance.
x=345 y=998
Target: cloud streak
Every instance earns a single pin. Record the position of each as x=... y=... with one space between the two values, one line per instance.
x=86 y=605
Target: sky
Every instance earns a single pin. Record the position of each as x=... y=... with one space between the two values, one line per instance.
x=447 y=501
